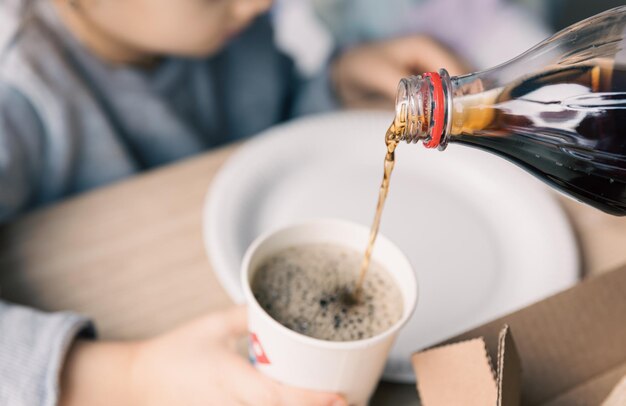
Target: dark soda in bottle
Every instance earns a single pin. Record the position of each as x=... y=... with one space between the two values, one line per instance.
x=558 y=110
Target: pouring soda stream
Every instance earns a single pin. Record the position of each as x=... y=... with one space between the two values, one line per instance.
x=391 y=141
x=558 y=111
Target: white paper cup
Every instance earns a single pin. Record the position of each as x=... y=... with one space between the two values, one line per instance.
x=351 y=368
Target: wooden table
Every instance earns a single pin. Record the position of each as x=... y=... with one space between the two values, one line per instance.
x=130 y=255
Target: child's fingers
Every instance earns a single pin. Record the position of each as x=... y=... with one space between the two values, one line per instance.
x=420 y=53
x=252 y=388
x=248 y=385
x=233 y=322
x=223 y=325
x=303 y=397
x=381 y=77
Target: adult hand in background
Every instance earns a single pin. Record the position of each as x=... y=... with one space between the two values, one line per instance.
x=196 y=364
x=367 y=76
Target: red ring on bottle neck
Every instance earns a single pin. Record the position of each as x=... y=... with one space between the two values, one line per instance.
x=438 y=110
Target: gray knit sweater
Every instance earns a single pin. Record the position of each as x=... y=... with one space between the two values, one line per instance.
x=70 y=122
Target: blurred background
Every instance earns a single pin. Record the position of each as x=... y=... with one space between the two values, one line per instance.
x=565 y=12
x=484 y=32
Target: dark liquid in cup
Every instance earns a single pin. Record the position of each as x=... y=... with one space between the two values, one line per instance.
x=308 y=289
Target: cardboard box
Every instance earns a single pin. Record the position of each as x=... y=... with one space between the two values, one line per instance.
x=569 y=349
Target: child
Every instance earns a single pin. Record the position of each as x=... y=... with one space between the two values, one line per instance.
x=92 y=91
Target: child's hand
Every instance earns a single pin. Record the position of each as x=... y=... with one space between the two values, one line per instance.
x=196 y=364
x=368 y=75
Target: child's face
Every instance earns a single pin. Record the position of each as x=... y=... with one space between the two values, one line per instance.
x=175 y=27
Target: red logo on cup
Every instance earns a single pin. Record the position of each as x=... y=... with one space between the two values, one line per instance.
x=257 y=350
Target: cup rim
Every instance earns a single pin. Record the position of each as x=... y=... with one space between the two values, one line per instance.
x=339 y=345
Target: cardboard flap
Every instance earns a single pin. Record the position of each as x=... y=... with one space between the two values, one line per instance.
x=590 y=392
x=455 y=374
x=509 y=370
x=567 y=339
x=618 y=395
x=462 y=374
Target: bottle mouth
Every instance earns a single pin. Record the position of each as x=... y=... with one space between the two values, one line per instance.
x=407 y=114
x=438 y=110
x=421 y=109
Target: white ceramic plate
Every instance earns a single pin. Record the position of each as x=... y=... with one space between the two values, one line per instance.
x=484 y=237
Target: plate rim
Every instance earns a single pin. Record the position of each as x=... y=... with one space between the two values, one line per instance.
x=213 y=203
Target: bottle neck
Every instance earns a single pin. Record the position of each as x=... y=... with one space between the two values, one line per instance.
x=423 y=110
